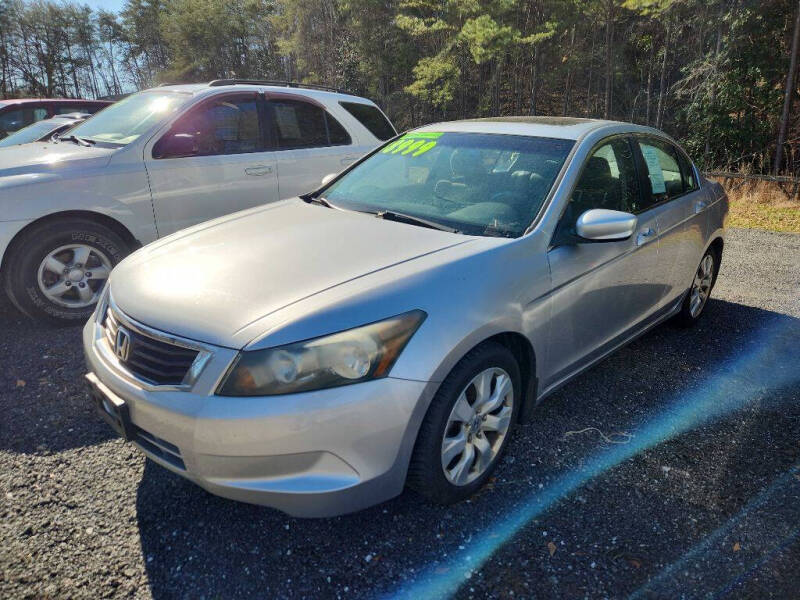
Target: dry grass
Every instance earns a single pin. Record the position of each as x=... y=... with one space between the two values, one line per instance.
x=762 y=205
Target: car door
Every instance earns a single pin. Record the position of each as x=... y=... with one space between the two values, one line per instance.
x=215 y=159
x=680 y=207
x=602 y=290
x=310 y=144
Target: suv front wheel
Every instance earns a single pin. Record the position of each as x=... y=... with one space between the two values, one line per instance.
x=57 y=270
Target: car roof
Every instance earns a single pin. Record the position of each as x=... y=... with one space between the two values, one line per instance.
x=567 y=128
x=10 y=101
x=297 y=89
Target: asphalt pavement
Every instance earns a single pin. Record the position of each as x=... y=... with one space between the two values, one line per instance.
x=669 y=470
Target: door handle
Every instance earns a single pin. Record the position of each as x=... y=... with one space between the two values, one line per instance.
x=700 y=206
x=258 y=171
x=347 y=160
x=644 y=236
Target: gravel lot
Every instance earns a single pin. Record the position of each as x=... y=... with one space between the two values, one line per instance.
x=711 y=510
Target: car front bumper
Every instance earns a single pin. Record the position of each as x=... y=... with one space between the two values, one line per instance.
x=312 y=454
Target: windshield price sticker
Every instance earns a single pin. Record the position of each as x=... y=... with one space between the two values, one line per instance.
x=414 y=143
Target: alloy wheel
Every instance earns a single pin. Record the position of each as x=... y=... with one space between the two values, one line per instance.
x=73 y=275
x=701 y=286
x=477 y=426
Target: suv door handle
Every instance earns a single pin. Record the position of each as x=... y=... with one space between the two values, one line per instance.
x=700 y=206
x=644 y=236
x=258 y=170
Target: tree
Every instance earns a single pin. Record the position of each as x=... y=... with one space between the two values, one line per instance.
x=787 y=102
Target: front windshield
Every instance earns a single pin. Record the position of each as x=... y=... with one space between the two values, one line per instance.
x=31 y=133
x=123 y=122
x=478 y=184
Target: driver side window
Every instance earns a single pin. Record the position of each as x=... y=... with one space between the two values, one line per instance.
x=608 y=180
x=224 y=125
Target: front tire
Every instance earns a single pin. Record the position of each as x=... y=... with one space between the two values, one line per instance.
x=467 y=426
x=57 y=270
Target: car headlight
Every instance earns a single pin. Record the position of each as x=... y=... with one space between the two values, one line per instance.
x=360 y=354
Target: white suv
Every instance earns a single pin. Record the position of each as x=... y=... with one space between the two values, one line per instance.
x=159 y=161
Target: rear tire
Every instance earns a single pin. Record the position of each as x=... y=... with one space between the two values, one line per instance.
x=697 y=297
x=57 y=270
x=467 y=426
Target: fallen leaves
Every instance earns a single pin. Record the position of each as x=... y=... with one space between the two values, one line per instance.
x=551 y=548
x=737 y=547
x=634 y=562
x=20 y=383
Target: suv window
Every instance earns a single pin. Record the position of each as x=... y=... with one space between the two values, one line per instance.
x=661 y=170
x=304 y=125
x=337 y=133
x=223 y=125
x=371 y=118
x=65 y=109
x=17 y=118
x=608 y=181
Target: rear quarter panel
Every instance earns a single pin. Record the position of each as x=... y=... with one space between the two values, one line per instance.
x=718 y=211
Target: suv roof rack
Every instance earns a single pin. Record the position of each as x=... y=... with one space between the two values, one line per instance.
x=291 y=84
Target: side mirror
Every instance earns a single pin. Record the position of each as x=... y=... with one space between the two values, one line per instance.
x=328 y=178
x=605 y=225
x=175 y=145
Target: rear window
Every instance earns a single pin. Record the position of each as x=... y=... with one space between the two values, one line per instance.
x=371 y=118
x=663 y=171
x=303 y=125
x=65 y=109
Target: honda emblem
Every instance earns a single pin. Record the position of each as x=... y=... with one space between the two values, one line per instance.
x=122 y=344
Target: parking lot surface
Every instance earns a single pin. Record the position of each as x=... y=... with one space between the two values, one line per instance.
x=669 y=470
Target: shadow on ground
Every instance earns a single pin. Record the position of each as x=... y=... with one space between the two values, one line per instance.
x=614 y=535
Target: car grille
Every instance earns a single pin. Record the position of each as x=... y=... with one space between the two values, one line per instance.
x=156 y=361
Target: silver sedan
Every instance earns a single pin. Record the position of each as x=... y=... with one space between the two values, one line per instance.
x=391 y=328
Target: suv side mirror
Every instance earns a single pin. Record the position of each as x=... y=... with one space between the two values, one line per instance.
x=601 y=224
x=174 y=145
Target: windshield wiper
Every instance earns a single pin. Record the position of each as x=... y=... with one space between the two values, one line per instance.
x=317 y=200
x=390 y=215
x=77 y=140
x=492 y=231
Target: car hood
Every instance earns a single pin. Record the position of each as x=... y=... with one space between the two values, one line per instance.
x=210 y=281
x=40 y=157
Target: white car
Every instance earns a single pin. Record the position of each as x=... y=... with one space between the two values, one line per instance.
x=156 y=162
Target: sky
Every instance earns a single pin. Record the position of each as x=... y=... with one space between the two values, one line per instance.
x=112 y=5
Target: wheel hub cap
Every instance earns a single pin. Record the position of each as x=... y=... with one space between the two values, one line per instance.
x=75 y=275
